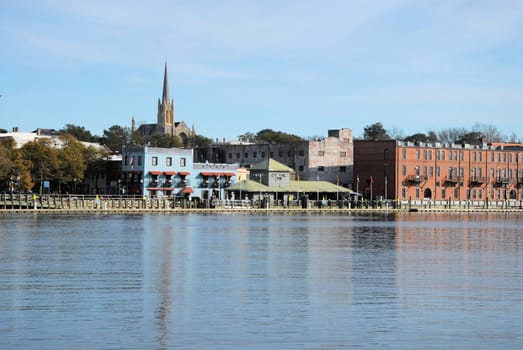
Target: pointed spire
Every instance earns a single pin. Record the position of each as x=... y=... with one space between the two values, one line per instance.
x=165 y=94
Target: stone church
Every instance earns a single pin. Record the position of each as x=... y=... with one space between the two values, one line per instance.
x=165 y=124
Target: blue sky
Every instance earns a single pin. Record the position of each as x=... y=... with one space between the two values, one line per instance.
x=301 y=67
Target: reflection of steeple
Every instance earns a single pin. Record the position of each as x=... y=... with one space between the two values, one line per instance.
x=165 y=94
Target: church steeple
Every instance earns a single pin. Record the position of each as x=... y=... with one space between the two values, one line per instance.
x=165 y=94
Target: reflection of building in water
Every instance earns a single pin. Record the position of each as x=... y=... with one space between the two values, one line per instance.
x=446 y=252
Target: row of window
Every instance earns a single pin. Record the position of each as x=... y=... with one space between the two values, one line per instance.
x=473 y=194
x=476 y=156
x=280 y=154
x=130 y=160
x=453 y=171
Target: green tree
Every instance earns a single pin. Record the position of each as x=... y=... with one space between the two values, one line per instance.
x=375 y=132
x=43 y=156
x=79 y=132
x=417 y=137
x=71 y=163
x=271 y=136
x=199 y=141
x=165 y=141
x=116 y=137
x=247 y=137
x=471 y=137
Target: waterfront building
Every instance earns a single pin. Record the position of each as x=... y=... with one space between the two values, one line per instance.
x=438 y=171
x=159 y=172
x=166 y=123
x=326 y=159
x=271 y=180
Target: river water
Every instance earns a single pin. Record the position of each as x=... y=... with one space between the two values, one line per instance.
x=156 y=281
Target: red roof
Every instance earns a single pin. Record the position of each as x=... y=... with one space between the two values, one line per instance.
x=187 y=190
x=170 y=173
x=183 y=173
x=155 y=172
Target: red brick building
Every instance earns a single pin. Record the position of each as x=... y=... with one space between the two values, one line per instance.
x=396 y=169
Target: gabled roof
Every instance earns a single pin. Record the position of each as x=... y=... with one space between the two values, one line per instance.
x=271 y=165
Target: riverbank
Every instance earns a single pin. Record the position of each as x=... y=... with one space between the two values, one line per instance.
x=274 y=210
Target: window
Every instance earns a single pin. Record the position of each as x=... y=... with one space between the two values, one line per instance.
x=300 y=168
x=386 y=154
x=230 y=155
x=301 y=152
x=343 y=169
x=343 y=154
x=263 y=155
x=437 y=155
x=492 y=156
x=403 y=192
x=450 y=155
x=480 y=154
x=431 y=172
x=424 y=154
x=442 y=155
x=288 y=153
x=280 y=154
x=473 y=156
x=403 y=170
x=403 y=153
x=480 y=193
x=246 y=154
x=417 y=153
x=154 y=161
x=461 y=155
x=271 y=154
x=183 y=162
x=510 y=157
x=321 y=153
x=417 y=192
x=321 y=168
x=254 y=154
x=437 y=171
x=456 y=193
x=430 y=154
x=443 y=193
x=126 y=160
x=238 y=155
x=140 y=160
x=169 y=161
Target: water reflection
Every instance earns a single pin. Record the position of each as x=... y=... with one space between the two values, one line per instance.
x=277 y=281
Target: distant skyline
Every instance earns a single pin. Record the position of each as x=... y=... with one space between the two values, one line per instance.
x=302 y=67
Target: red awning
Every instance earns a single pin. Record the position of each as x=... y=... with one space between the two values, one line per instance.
x=187 y=190
x=169 y=173
x=229 y=174
x=183 y=173
x=155 y=172
x=160 y=189
x=207 y=173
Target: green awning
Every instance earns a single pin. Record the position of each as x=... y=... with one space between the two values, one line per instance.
x=294 y=187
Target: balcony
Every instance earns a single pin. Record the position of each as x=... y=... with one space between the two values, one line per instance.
x=479 y=180
x=416 y=178
x=453 y=179
x=504 y=180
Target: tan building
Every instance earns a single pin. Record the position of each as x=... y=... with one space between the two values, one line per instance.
x=440 y=172
x=327 y=159
x=166 y=123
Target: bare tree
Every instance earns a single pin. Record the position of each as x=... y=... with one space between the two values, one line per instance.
x=491 y=133
x=451 y=135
